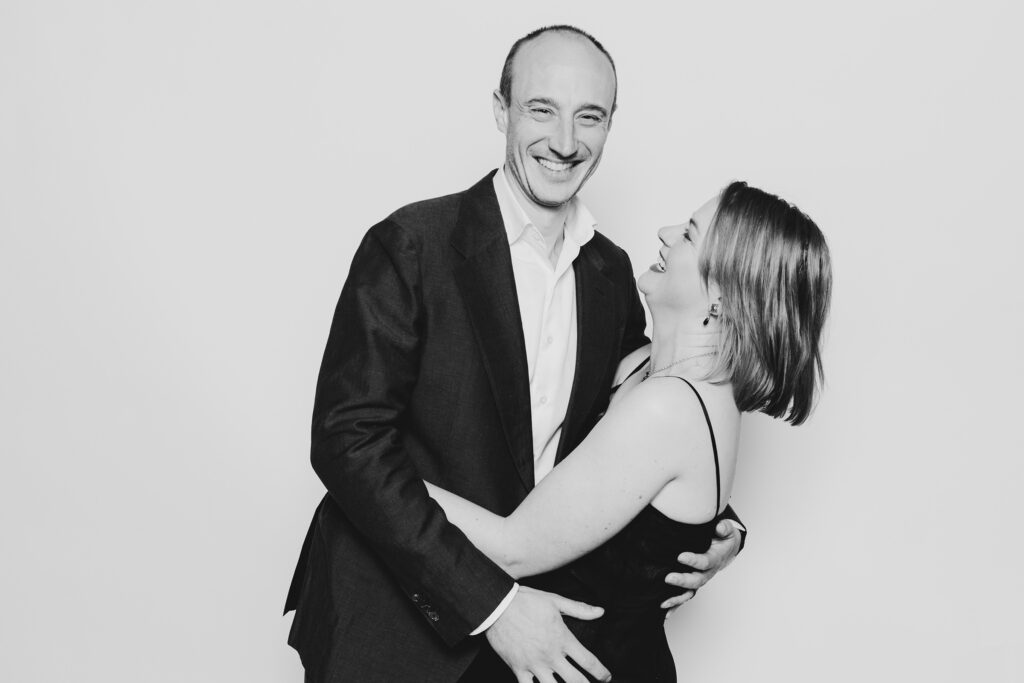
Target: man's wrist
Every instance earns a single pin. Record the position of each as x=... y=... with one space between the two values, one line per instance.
x=498 y=611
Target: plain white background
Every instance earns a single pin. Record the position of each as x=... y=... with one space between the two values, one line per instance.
x=182 y=186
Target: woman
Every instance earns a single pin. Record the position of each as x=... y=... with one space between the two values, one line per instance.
x=738 y=298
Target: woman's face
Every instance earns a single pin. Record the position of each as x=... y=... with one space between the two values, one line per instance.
x=674 y=279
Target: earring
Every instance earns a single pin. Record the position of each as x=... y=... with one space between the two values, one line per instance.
x=713 y=311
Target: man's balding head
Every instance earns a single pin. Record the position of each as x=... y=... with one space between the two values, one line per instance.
x=505 y=83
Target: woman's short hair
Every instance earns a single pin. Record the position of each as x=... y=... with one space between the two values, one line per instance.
x=775 y=274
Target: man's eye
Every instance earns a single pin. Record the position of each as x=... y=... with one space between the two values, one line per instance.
x=541 y=111
x=591 y=119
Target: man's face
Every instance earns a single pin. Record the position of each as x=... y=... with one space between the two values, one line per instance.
x=563 y=89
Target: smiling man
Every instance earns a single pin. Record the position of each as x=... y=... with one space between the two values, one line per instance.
x=474 y=345
x=555 y=113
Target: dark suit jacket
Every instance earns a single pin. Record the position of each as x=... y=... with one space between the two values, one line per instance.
x=424 y=377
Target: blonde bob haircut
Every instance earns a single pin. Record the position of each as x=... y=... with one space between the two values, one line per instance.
x=775 y=274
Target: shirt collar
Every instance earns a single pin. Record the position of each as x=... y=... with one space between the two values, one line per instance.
x=579 y=222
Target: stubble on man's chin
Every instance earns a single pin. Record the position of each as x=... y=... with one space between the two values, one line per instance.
x=590 y=172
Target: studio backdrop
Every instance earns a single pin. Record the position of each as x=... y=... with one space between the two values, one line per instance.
x=183 y=185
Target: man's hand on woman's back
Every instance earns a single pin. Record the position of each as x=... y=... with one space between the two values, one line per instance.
x=531 y=638
x=724 y=547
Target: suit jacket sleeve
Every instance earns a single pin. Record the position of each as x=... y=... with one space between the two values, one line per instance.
x=360 y=429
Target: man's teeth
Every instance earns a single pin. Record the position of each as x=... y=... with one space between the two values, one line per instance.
x=553 y=166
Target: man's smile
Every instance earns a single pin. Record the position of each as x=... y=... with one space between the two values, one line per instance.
x=557 y=166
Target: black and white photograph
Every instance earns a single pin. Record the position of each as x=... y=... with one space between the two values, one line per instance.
x=464 y=343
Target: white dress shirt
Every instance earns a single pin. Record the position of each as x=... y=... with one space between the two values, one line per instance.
x=547 y=306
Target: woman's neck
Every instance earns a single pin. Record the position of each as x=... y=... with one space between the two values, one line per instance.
x=683 y=347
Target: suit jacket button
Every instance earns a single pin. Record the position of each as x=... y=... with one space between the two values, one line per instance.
x=417 y=598
x=433 y=616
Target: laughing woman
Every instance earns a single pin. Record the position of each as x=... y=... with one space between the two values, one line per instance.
x=738 y=297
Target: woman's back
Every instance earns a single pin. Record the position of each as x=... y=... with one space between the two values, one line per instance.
x=626 y=574
x=707 y=461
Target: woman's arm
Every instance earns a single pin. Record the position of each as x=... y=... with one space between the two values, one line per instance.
x=644 y=441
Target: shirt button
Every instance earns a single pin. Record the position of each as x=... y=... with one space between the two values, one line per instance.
x=543 y=400
x=550 y=340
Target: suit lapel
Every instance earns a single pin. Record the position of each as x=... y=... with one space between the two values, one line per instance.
x=595 y=321
x=488 y=288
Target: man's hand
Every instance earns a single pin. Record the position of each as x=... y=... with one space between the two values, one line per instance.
x=532 y=639
x=724 y=547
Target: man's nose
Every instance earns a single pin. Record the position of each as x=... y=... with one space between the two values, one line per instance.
x=564 y=142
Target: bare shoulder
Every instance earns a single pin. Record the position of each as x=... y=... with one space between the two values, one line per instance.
x=703 y=445
x=666 y=403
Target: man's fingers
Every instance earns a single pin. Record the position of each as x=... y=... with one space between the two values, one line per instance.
x=698 y=562
x=524 y=677
x=725 y=528
x=704 y=565
x=568 y=672
x=574 y=608
x=678 y=600
x=546 y=677
x=587 y=661
x=690 y=581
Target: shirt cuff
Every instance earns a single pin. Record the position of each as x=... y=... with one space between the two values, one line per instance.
x=498 y=611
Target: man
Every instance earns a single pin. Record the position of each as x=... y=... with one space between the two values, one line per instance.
x=473 y=345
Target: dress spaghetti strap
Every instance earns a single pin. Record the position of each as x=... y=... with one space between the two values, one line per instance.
x=714 y=445
x=632 y=372
x=635 y=370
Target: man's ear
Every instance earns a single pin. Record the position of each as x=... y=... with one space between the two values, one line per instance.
x=500 y=108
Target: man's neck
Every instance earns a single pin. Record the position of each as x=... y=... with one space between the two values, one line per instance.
x=550 y=221
x=553 y=232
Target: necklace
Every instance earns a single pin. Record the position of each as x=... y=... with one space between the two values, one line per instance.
x=655 y=371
